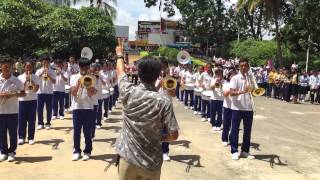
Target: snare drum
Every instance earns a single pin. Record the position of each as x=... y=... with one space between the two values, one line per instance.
x=67 y=87
x=111 y=91
x=105 y=94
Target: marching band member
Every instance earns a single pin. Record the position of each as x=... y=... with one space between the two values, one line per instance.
x=134 y=74
x=242 y=108
x=277 y=84
x=97 y=98
x=159 y=86
x=227 y=112
x=10 y=89
x=114 y=85
x=47 y=79
x=82 y=105
x=28 y=104
x=303 y=85
x=59 y=90
x=294 y=85
x=216 y=101
x=197 y=91
x=286 y=86
x=189 y=87
x=67 y=94
x=106 y=81
x=206 y=77
x=73 y=67
x=176 y=73
x=182 y=82
x=313 y=82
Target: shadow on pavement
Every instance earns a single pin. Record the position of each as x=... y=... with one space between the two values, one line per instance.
x=20 y=160
x=273 y=159
x=109 y=158
x=113 y=120
x=66 y=129
x=255 y=146
x=116 y=129
x=53 y=142
x=190 y=160
x=112 y=141
x=116 y=112
x=183 y=143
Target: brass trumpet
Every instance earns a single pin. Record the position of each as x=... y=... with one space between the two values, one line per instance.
x=86 y=82
x=45 y=74
x=169 y=83
x=29 y=84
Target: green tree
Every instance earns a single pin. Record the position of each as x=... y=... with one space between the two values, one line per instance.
x=276 y=11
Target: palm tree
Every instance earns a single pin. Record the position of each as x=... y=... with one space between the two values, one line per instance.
x=272 y=13
x=106 y=6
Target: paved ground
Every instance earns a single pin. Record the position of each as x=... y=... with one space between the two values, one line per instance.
x=285 y=141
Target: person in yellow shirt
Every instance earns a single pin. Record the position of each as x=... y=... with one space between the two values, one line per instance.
x=271 y=80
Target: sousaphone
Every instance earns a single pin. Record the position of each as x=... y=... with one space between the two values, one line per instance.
x=86 y=52
x=183 y=57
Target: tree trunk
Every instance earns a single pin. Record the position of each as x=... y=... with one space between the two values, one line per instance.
x=260 y=19
x=250 y=18
x=279 y=50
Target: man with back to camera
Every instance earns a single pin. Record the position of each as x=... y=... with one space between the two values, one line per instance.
x=146 y=114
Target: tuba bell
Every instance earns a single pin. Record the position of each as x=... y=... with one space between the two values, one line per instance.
x=183 y=57
x=256 y=90
x=86 y=53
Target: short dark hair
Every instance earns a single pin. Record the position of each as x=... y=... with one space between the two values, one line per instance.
x=58 y=61
x=149 y=69
x=244 y=60
x=83 y=62
x=45 y=58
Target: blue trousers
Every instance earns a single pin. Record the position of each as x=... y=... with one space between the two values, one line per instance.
x=58 y=102
x=116 y=95
x=197 y=103
x=178 y=90
x=182 y=95
x=216 y=113
x=106 y=107
x=99 y=113
x=82 y=119
x=8 y=123
x=165 y=147
x=247 y=117
x=186 y=98
x=227 y=115
x=67 y=100
x=44 y=99
x=27 y=118
x=95 y=115
x=205 y=109
x=110 y=102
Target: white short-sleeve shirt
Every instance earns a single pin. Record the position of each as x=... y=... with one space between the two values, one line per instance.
x=30 y=95
x=84 y=101
x=241 y=102
x=227 y=100
x=189 y=80
x=45 y=87
x=106 y=76
x=60 y=84
x=206 y=80
x=217 y=93
x=13 y=84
